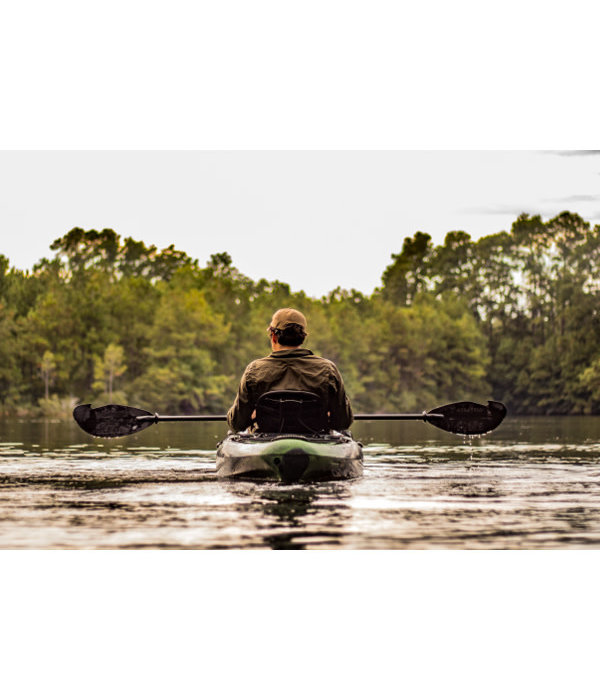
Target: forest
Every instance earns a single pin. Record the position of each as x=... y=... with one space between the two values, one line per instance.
x=512 y=316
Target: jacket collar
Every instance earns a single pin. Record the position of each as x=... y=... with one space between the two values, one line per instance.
x=296 y=352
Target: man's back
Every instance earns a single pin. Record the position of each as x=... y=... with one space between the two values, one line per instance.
x=292 y=369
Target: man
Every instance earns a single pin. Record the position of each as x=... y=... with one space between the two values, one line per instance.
x=290 y=367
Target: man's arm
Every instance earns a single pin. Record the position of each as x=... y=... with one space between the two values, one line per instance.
x=340 y=410
x=239 y=416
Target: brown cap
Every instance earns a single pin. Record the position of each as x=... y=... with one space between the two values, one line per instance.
x=284 y=317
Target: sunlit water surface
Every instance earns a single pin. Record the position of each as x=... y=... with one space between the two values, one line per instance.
x=532 y=484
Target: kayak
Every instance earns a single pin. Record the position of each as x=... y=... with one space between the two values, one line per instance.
x=289 y=457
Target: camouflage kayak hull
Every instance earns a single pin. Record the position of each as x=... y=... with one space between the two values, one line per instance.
x=289 y=458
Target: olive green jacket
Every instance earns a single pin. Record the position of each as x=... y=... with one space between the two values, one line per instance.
x=291 y=369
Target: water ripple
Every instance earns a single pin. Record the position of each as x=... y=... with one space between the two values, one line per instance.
x=517 y=489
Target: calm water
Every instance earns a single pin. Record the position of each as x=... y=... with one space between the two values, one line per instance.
x=532 y=484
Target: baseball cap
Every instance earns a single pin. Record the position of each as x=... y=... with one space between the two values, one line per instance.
x=285 y=317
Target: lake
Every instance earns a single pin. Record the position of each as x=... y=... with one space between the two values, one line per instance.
x=532 y=484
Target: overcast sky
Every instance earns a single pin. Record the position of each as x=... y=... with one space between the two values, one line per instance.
x=313 y=219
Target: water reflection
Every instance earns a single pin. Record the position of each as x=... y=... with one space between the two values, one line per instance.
x=294 y=517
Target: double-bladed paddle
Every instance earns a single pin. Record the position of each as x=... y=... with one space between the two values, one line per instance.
x=463 y=418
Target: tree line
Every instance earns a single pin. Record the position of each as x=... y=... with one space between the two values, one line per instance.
x=513 y=316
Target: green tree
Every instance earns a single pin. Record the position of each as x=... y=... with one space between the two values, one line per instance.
x=47 y=369
x=185 y=343
x=10 y=375
x=589 y=379
x=108 y=368
x=408 y=274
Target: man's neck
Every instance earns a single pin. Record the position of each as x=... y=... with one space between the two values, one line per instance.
x=276 y=347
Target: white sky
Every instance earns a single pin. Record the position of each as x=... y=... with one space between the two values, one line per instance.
x=313 y=219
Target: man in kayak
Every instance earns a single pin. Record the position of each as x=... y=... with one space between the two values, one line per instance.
x=290 y=367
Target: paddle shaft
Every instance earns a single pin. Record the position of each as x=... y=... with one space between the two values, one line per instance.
x=396 y=416
x=359 y=416
x=159 y=419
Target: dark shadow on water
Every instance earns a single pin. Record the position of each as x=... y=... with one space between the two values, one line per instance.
x=96 y=483
x=297 y=517
x=288 y=506
x=469 y=489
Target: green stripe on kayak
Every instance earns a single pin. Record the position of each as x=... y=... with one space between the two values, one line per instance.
x=289 y=459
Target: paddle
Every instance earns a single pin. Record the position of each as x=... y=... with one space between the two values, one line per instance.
x=464 y=418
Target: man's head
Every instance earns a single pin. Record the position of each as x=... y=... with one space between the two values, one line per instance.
x=288 y=327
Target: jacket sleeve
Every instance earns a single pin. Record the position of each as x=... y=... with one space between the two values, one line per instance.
x=239 y=415
x=340 y=410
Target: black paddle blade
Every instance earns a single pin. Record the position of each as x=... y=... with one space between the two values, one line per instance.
x=467 y=418
x=111 y=421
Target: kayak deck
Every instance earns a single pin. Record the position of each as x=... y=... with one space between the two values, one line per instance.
x=289 y=457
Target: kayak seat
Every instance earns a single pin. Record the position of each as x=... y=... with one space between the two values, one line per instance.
x=291 y=412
